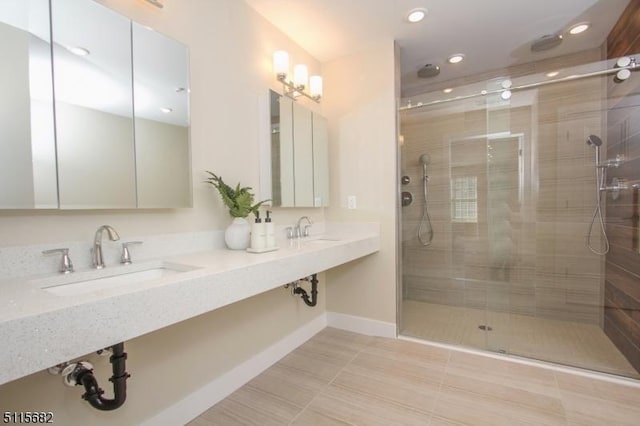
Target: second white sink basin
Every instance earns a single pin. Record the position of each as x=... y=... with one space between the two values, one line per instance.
x=320 y=239
x=89 y=282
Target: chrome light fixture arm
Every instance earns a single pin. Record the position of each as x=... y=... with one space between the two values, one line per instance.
x=292 y=91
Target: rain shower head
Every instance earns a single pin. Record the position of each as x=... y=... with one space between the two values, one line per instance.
x=429 y=71
x=546 y=42
x=594 y=141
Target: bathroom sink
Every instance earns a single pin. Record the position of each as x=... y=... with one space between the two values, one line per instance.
x=320 y=239
x=89 y=282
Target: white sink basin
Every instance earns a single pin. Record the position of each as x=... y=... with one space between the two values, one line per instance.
x=89 y=282
x=319 y=239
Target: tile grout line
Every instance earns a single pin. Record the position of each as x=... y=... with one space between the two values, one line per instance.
x=327 y=386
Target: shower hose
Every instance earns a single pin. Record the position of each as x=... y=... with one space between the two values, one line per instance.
x=426 y=220
x=597 y=214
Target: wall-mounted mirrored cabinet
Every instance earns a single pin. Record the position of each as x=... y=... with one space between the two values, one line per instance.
x=88 y=147
x=296 y=162
x=27 y=144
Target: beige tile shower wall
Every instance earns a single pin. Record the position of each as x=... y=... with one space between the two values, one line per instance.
x=526 y=253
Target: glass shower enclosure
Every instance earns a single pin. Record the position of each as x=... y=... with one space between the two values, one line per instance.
x=508 y=251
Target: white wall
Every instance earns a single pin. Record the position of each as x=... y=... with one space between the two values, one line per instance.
x=230 y=50
x=360 y=104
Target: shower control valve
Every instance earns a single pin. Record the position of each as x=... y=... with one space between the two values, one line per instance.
x=617 y=185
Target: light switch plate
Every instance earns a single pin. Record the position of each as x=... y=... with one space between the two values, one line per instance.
x=351 y=202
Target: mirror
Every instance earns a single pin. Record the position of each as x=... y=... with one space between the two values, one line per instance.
x=94 y=106
x=27 y=144
x=161 y=93
x=102 y=153
x=320 y=161
x=298 y=166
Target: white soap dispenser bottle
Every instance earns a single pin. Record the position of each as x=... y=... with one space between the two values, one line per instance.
x=270 y=231
x=257 y=233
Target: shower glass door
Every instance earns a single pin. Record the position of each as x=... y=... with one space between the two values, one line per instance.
x=512 y=191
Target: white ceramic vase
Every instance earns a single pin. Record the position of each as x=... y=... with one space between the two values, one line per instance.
x=237 y=235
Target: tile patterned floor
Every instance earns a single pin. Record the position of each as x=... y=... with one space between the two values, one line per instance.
x=563 y=342
x=342 y=378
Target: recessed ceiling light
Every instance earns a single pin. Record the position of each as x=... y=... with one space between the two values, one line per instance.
x=579 y=28
x=506 y=95
x=454 y=59
x=416 y=15
x=78 y=51
x=166 y=110
x=448 y=90
x=552 y=73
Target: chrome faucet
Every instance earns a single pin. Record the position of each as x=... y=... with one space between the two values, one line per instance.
x=98 y=261
x=298 y=232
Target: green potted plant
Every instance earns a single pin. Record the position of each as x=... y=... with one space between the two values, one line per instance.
x=239 y=200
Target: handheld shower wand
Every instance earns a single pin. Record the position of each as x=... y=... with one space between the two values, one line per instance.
x=601 y=179
x=425 y=159
x=595 y=142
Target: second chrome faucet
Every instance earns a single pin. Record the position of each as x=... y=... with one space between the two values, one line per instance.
x=297 y=231
x=96 y=251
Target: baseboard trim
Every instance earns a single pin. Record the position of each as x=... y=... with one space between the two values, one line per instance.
x=199 y=401
x=361 y=325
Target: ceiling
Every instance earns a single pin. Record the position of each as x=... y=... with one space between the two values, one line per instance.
x=491 y=34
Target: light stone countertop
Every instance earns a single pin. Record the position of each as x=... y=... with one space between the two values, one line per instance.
x=39 y=329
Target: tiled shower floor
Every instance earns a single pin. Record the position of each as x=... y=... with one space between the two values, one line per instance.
x=562 y=342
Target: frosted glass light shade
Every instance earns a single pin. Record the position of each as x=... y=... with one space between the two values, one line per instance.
x=300 y=75
x=280 y=62
x=315 y=85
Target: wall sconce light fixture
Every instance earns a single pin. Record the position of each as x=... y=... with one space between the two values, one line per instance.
x=301 y=80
